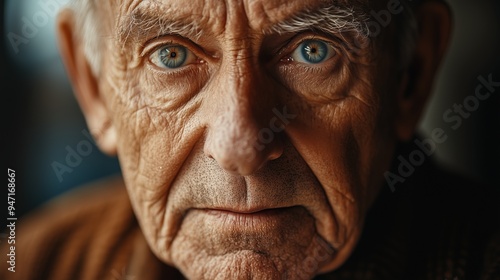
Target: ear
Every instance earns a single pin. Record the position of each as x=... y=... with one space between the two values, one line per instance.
x=434 y=28
x=85 y=83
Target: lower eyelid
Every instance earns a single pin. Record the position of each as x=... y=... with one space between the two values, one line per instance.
x=286 y=69
x=190 y=71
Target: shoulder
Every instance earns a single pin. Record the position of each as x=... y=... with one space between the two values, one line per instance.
x=99 y=203
x=74 y=234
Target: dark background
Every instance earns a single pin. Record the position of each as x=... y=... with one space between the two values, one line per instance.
x=43 y=119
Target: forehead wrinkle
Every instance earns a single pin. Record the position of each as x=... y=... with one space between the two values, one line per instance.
x=153 y=18
x=262 y=14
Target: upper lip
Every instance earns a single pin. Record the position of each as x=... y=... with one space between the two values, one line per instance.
x=251 y=210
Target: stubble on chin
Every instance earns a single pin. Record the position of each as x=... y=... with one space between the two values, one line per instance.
x=287 y=247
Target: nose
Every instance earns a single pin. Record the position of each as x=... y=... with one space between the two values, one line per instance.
x=245 y=130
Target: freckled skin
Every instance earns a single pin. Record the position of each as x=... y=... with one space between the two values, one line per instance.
x=186 y=143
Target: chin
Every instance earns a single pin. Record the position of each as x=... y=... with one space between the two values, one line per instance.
x=227 y=246
x=244 y=264
x=247 y=264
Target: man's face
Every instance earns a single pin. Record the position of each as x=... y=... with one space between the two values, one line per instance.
x=250 y=146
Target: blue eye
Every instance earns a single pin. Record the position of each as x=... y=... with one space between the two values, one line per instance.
x=312 y=52
x=172 y=57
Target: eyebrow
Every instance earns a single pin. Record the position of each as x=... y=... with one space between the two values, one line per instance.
x=144 y=24
x=329 y=19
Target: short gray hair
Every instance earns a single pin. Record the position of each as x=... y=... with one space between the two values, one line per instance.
x=87 y=24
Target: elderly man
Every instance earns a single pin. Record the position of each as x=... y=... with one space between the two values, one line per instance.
x=255 y=139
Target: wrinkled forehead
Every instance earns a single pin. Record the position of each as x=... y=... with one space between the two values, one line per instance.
x=221 y=14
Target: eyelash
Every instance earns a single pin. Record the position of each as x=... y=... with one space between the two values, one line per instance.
x=280 y=57
x=292 y=44
x=157 y=45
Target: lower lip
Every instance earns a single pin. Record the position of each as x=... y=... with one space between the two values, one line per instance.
x=256 y=220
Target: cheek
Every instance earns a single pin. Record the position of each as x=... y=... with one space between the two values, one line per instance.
x=156 y=131
x=156 y=123
x=337 y=142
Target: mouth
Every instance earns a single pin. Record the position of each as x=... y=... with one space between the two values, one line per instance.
x=250 y=220
x=269 y=231
x=254 y=211
x=250 y=214
x=256 y=239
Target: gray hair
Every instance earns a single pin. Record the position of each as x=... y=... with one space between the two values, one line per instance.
x=87 y=24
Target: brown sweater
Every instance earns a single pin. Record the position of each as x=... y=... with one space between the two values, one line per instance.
x=443 y=229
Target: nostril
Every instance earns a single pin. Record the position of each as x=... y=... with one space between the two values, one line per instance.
x=276 y=151
x=279 y=150
x=232 y=168
x=273 y=156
